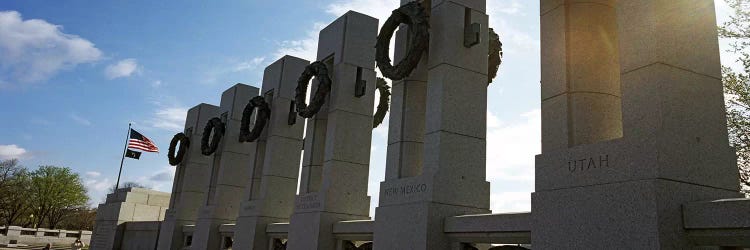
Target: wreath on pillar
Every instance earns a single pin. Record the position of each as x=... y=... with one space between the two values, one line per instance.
x=495 y=56
x=383 y=103
x=184 y=144
x=217 y=127
x=260 y=121
x=320 y=72
x=414 y=15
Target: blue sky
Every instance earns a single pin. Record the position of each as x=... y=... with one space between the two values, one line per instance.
x=74 y=73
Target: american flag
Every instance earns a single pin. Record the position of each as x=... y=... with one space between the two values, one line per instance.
x=140 y=142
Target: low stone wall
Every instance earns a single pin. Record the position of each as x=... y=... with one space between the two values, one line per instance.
x=39 y=236
x=140 y=235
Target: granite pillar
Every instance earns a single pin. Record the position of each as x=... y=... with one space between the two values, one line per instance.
x=406 y=123
x=451 y=181
x=269 y=196
x=599 y=191
x=337 y=145
x=191 y=178
x=230 y=170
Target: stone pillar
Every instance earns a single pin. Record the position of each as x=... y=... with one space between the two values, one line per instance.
x=191 y=178
x=452 y=182
x=580 y=73
x=337 y=146
x=270 y=196
x=406 y=122
x=230 y=170
x=628 y=192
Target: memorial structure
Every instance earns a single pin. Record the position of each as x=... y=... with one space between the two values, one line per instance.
x=634 y=142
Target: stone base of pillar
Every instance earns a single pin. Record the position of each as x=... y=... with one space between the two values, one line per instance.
x=170 y=232
x=417 y=225
x=314 y=230
x=411 y=211
x=643 y=214
x=207 y=235
x=626 y=192
x=250 y=232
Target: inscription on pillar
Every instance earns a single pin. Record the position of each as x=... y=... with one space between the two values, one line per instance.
x=406 y=189
x=585 y=164
x=307 y=202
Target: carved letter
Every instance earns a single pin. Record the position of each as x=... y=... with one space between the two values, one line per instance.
x=582 y=161
x=604 y=161
x=571 y=166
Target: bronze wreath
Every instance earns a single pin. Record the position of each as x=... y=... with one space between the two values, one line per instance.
x=260 y=122
x=217 y=126
x=495 y=56
x=319 y=70
x=415 y=16
x=383 y=103
x=184 y=144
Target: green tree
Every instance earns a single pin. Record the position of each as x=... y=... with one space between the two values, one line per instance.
x=14 y=189
x=737 y=87
x=56 y=192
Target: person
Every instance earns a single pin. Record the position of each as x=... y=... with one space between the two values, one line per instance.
x=78 y=245
x=47 y=247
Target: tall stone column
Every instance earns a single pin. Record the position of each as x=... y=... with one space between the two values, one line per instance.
x=452 y=180
x=600 y=191
x=406 y=122
x=191 y=178
x=270 y=196
x=580 y=73
x=230 y=170
x=337 y=145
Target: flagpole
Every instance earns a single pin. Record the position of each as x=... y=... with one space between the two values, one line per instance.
x=127 y=138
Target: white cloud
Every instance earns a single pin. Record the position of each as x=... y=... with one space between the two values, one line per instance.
x=80 y=120
x=156 y=83
x=252 y=64
x=505 y=202
x=305 y=48
x=515 y=40
x=11 y=151
x=511 y=148
x=160 y=180
x=93 y=174
x=34 y=50
x=506 y=7
x=123 y=68
x=97 y=188
x=169 y=118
